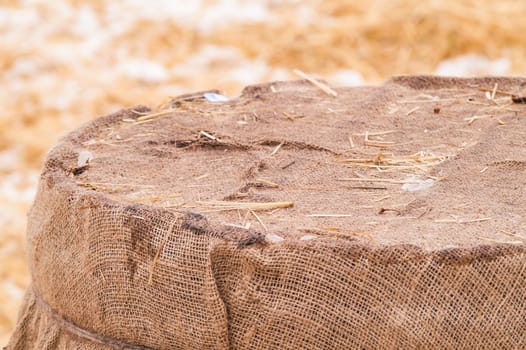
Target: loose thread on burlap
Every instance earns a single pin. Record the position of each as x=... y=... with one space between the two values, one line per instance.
x=159 y=251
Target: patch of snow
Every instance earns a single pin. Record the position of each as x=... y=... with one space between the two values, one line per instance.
x=305 y=13
x=24 y=67
x=144 y=70
x=473 y=65
x=274 y=238
x=65 y=94
x=249 y=72
x=230 y=60
x=224 y=12
x=279 y=74
x=84 y=158
x=213 y=97
x=9 y=158
x=19 y=187
x=13 y=290
x=86 y=22
x=22 y=17
x=308 y=237
x=415 y=183
x=209 y=55
x=164 y=9
x=347 y=77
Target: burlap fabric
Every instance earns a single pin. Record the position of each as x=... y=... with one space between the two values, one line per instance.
x=386 y=217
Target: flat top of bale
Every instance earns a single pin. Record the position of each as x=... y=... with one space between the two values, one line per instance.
x=434 y=162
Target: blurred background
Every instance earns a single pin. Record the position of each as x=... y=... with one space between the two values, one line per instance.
x=64 y=62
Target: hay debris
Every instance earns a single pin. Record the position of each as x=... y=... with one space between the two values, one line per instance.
x=495 y=91
x=288 y=164
x=200 y=177
x=499 y=241
x=377 y=133
x=436 y=99
x=412 y=110
x=210 y=136
x=391 y=181
x=155 y=115
x=514 y=235
x=278 y=147
x=109 y=186
x=258 y=219
x=461 y=221
x=175 y=206
x=267 y=183
x=330 y=215
x=351 y=142
x=366 y=188
x=470 y=120
x=251 y=206
x=419 y=161
x=153 y=199
x=159 y=251
x=324 y=87
x=340 y=230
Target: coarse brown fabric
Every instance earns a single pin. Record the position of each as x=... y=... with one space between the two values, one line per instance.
x=386 y=217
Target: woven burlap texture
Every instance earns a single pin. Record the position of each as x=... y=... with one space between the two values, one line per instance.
x=108 y=273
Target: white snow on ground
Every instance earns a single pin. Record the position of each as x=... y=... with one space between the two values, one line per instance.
x=144 y=70
x=233 y=64
x=12 y=289
x=18 y=187
x=86 y=22
x=473 y=65
x=415 y=183
x=9 y=158
x=274 y=238
x=224 y=12
x=202 y=15
x=347 y=77
x=249 y=72
x=17 y=191
x=164 y=9
x=207 y=56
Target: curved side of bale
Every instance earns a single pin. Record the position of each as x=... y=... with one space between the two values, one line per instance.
x=111 y=274
x=108 y=276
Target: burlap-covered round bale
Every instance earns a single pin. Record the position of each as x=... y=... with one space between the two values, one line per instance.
x=292 y=217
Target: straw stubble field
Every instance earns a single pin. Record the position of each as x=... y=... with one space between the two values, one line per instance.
x=65 y=62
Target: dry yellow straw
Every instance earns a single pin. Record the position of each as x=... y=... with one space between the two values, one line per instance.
x=316 y=83
x=252 y=206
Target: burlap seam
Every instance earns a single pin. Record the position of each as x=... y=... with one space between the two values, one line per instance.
x=71 y=328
